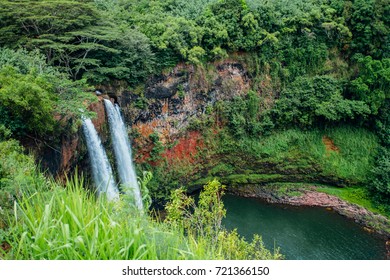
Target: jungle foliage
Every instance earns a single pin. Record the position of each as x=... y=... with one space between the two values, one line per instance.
x=326 y=62
x=32 y=93
x=131 y=39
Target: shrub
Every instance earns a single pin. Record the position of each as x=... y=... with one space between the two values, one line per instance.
x=204 y=221
x=310 y=100
x=380 y=183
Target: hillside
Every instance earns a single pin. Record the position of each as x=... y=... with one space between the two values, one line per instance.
x=279 y=95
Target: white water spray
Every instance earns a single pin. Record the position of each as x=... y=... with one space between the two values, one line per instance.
x=122 y=150
x=101 y=168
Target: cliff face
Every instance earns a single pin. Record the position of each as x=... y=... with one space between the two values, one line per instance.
x=165 y=106
x=166 y=116
x=171 y=101
x=72 y=150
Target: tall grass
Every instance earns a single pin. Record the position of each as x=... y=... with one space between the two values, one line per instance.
x=18 y=174
x=300 y=150
x=357 y=150
x=70 y=223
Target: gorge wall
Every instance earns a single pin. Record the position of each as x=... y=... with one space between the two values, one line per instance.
x=167 y=116
x=165 y=106
x=170 y=102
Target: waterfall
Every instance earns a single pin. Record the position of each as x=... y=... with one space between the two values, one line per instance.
x=101 y=168
x=122 y=150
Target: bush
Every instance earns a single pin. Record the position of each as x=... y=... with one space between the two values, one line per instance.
x=18 y=175
x=245 y=117
x=26 y=102
x=204 y=221
x=380 y=183
x=32 y=93
x=312 y=100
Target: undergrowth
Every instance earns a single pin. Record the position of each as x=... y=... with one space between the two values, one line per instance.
x=72 y=224
x=300 y=152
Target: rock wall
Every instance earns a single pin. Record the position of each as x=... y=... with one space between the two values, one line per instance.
x=169 y=102
x=165 y=105
x=71 y=151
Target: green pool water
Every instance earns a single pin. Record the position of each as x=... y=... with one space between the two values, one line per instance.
x=302 y=232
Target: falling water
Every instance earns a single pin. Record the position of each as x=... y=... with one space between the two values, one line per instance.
x=122 y=149
x=101 y=169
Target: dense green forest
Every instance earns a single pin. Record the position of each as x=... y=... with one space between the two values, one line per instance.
x=327 y=67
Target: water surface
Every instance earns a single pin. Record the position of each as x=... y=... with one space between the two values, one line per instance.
x=302 y=232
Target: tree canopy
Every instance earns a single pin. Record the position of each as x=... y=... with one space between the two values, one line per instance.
x=325 y=62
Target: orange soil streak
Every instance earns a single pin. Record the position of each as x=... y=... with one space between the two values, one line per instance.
x=186 y=148
x=329 y=145
x=145 y=129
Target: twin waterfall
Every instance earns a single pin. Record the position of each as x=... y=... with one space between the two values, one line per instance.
x=101 y=169
x=122 y=150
